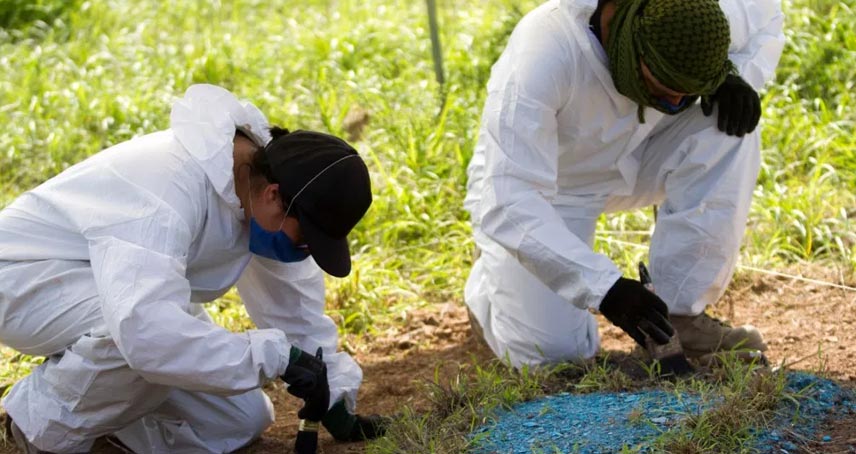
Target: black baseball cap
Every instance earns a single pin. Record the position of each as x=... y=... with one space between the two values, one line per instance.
x=326 y=184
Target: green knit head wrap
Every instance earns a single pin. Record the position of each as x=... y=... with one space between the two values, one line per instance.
x=683 y=42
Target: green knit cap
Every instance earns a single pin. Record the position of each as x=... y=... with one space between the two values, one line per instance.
x=683 y=42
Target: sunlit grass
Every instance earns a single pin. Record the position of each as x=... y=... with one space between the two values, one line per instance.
x=804 y=202
x=108 y=71
x=81 y=78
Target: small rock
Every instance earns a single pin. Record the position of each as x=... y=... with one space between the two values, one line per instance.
x=355 y=121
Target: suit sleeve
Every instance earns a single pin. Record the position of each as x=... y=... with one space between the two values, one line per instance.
x=138 y=252
x=290 y=297
x=529 y=84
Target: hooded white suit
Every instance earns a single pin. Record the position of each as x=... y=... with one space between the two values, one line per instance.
x=559 y=145
x=102 y=268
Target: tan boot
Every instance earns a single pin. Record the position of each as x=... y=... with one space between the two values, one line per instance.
x=702 y=335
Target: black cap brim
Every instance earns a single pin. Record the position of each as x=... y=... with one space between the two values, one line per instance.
x=331 y=254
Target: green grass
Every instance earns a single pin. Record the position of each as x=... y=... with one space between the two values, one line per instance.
x=738 y=399
x=81 y=76
x=23 y=18
x=108 y=71
x=804 y=202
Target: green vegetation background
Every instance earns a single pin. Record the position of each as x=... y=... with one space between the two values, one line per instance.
x=79 y=76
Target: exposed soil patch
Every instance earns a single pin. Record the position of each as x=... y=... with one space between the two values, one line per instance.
x=810 y=325
x=842 y=437
x=396 y=365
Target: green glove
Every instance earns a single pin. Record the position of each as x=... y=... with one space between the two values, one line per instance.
x=344 y=426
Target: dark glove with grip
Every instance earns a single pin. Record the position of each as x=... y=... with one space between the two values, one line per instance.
x=306 y=376
x=344 y=426
x=739 y=106
x=637 y=311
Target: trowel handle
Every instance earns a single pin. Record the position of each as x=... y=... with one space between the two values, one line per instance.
x=645 y=277
x=307 y=434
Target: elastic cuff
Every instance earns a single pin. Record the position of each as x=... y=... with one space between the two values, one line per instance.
x=294 y=354
x=598 y=291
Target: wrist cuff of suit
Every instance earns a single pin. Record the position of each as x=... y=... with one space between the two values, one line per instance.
x=339 y=421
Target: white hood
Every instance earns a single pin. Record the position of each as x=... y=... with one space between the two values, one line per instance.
x=205 y=120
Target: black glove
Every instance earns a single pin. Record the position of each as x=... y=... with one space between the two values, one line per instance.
x=344 y=426
x=631 y=307
x=306 y=376
x=739 y=106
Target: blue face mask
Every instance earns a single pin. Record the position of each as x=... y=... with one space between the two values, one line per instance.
x=277 y=245
x=274 y=245
x=672 y=108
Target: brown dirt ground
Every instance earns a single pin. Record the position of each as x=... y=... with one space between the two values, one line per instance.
x=807 y=326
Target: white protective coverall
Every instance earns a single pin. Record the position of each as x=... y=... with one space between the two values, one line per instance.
x=559 y=145
x=102 y=269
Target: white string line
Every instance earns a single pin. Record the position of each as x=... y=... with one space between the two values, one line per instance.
x=627 y=232
x=797 y=278
x=291 y=202
x=747 y=267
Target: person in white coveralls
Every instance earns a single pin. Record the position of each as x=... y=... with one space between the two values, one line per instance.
x=104 y=266
x=594 y=107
